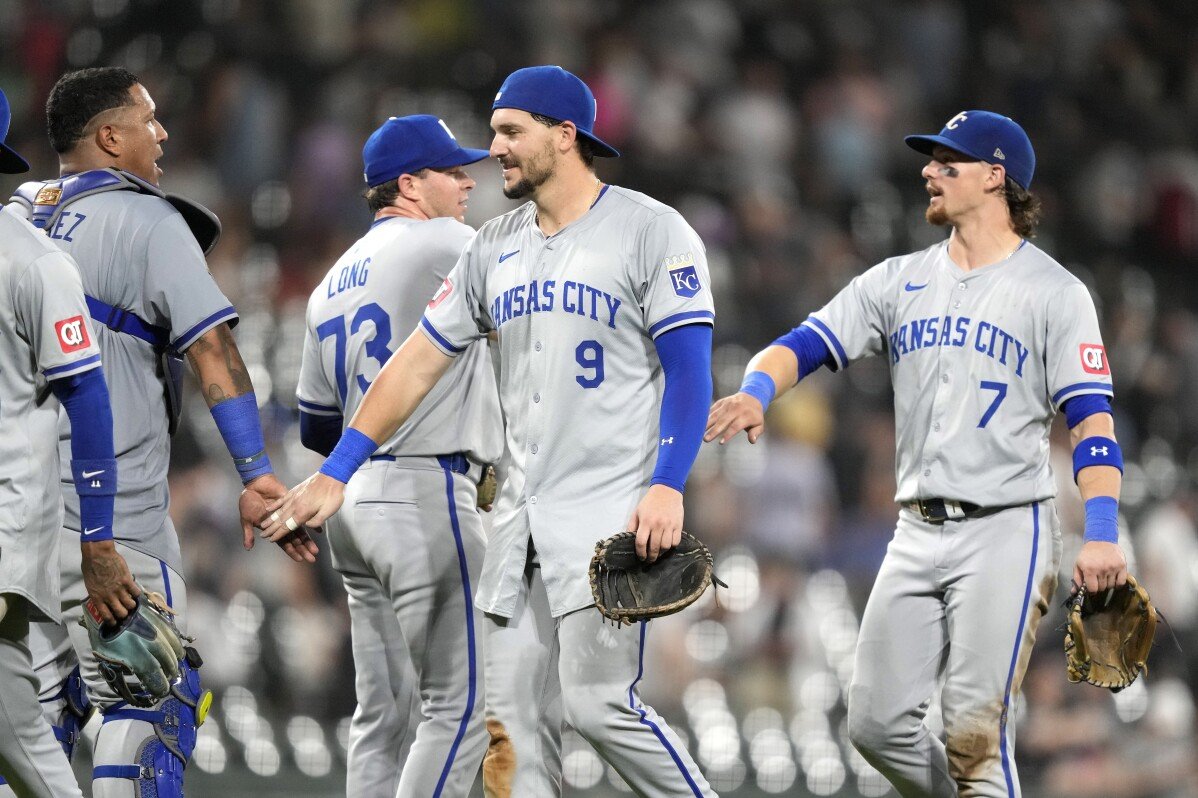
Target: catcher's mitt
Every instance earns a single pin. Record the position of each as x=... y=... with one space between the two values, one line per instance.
x=628 y=589
x=138 y=658
x=1107 y=640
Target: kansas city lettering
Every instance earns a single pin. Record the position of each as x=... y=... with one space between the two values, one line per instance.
x=985 y=338
x=546 y=296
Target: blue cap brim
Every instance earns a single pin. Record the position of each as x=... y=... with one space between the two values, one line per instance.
x=462 y=156
x=926 y=144
x=10 y=162
x=602 y=148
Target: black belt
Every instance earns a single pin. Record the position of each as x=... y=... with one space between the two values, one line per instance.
x=937 y=511
x=457 y=463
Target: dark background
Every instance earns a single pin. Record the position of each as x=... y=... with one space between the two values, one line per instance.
x=776 y=128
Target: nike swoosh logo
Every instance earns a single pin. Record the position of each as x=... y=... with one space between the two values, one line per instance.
x=87 y=532
x=90 y=474
x=507 y=255
x=910 y=287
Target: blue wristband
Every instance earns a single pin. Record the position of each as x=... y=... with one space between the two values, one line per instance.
x=760 y=386
x=95 y=483
x=1096 y=450
x=238 y=423
x=348 y=455
x=1102 y=519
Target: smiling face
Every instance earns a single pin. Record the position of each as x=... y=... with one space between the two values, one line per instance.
x=443 y=192
x=134 y=136
x=957 y=184
x=525 y=149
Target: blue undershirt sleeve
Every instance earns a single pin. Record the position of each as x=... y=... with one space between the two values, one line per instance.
x=1079 y=408
x=85 y=398
x=320 y=433
x=685 y=354
x=809 y=348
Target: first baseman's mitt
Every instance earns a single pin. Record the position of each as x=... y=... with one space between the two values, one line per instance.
x=139 y=658
x=1107 y=640
x=628 y=589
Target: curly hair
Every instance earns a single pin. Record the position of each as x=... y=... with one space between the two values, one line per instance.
x=1024 y=208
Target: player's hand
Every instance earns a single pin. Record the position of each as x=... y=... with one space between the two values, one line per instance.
x=253 y=506
x=109 y=584
x=733 y=414
x=1099 y=566
x=657 y=521
x=310 y=504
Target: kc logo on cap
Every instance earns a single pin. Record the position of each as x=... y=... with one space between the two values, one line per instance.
x=407 y=144
x=553 y=92
x=985 y=136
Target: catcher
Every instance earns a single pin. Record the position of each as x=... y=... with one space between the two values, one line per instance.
x=1108 y=635
x=628 y=589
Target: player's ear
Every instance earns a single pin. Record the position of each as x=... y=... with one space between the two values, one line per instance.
x=409 y=188
x=997 y=177
x=108 y=138
x=567 y=136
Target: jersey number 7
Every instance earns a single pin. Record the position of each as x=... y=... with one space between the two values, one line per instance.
x=1000 y=390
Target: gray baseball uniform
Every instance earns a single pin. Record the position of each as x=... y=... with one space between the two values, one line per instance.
x=409 y=540
x=980 y=362
x=580 y=383
x=44 y=334
x=135 y=253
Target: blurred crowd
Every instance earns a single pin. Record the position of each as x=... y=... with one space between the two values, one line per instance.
x=776 y=128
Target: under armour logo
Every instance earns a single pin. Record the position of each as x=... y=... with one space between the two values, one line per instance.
x=664 y=441
x=1096 y=450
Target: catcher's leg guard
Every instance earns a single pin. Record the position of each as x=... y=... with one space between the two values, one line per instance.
x=160 y=760
x=77 y=708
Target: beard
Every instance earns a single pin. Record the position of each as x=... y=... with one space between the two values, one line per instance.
x=935 y=214
x=537 y=172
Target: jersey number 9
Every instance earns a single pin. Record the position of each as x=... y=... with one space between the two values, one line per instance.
x=589 y=355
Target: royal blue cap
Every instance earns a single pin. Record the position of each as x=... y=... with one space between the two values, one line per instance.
x=552 y=91
x=10 y=162
x=988 y=137
x=407 y=144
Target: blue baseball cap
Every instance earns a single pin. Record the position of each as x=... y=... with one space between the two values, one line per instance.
x=10 y=162
x=407 y=144
x=552 y=91
x=988 y=137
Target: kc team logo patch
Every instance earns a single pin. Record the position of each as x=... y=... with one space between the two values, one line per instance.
x=72 y=334
x=683 y=276
x=445 y=290
x=1094 y=359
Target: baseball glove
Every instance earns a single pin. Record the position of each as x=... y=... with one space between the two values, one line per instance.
x=1107 y=640
x=138 y=658
x=628 y=589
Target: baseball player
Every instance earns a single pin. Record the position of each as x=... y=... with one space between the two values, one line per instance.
x=43 y=324
x=147 y=287
x=409 y=541
x=987 y=337
x=601 y=301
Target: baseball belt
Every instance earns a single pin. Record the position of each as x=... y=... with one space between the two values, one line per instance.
x=937 y=511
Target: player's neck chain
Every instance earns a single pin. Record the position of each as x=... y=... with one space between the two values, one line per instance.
x=594 y=199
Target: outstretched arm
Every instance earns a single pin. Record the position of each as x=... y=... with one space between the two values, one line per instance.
x=229 y=393
x=401 y=385
x=775 y=369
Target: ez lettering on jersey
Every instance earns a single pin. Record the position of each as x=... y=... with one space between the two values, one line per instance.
x=936 y=331
x=546 y=296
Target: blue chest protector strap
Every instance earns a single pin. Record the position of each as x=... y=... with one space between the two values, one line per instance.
x=46 y=202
